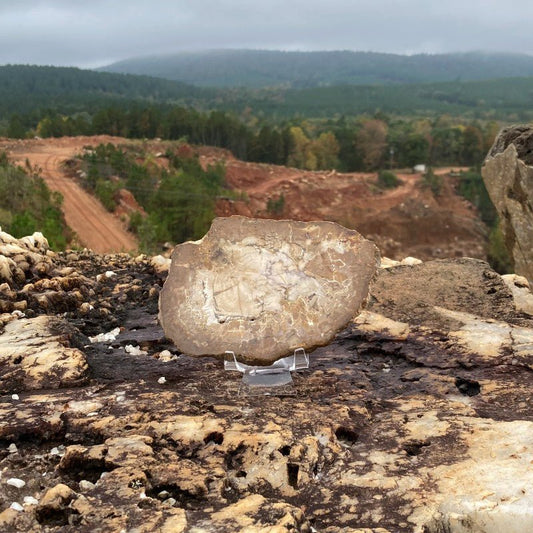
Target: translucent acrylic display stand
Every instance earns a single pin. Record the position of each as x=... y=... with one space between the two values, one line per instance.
x=273 y=380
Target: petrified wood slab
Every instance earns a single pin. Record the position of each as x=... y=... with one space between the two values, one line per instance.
x=262 y=288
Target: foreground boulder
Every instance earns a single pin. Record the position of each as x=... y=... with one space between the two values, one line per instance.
x=508 y=176
x=262 y=288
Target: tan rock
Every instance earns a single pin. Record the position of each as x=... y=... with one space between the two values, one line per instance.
x=262 y=288
x=508 y=176
x=176 y=523
x=34 y=355
x=522 y=295
x=57 y=497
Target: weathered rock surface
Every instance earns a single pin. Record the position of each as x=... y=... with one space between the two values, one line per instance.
x=37 y=353
x=262 y=288
x=415 y=419
x=508 y=176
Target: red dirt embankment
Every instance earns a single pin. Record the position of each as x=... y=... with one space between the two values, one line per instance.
x=407 y=220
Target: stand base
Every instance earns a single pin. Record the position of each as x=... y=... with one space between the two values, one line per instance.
x=275 y=380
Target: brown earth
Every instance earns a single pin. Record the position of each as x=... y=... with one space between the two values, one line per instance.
x=408 y=220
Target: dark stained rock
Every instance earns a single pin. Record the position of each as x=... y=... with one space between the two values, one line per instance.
x=455 y=284
x=262 y=288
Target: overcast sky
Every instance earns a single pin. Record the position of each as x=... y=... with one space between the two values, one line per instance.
x=90 y=33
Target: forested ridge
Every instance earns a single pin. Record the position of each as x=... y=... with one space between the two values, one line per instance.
x=271 y=68
x=347 y=128
x=31 y=91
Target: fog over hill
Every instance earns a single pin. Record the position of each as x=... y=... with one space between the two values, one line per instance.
x=269 y=68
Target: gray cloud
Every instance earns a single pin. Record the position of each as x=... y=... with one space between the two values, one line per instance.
x=70 y=32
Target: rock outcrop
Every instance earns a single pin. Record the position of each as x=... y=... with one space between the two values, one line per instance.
x=508 y=176
x=416 y=418
x=263 y=288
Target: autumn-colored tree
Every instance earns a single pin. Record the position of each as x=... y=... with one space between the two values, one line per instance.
x=490 y=132
x=326 y=149
x=302 y=155
x=371 y=141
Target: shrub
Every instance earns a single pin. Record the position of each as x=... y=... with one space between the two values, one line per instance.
x=27 y=205
x=276 y=207
x=388 y=180
x=432 y=181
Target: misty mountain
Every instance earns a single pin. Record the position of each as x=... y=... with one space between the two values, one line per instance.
x=263 y=68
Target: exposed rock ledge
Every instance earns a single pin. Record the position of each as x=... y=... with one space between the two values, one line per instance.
x=416 y=418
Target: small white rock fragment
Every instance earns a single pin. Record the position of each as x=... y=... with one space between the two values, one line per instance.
x=16 y=506
x=30 y=500
x=106 y=337
x=86 y=485
x=134 y=350
x=15 y=482
x=142 y=495
x=12 y=448
x=15 y=397
x=110 y=274
x=410 y=261
x=162 y=380
x=58 y=450
x=165 y=356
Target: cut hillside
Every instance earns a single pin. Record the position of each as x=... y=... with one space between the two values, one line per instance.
x=406 y=220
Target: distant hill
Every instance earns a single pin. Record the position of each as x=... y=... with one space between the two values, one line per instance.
x=504 y=99
x=33 y=90
x=262 y=68
x=24 y=88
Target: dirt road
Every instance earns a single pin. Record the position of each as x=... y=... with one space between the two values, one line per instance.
x=95 y=227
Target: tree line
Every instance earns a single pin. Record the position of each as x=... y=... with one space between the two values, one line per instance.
x=361 y=143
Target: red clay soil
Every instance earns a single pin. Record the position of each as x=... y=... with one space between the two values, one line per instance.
x=408 y=220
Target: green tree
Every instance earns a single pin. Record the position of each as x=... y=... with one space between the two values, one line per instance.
x=388 y=180
x=15 y=129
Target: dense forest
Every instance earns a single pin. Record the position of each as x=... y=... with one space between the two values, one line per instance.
x=270 y=68
x=362 y=143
